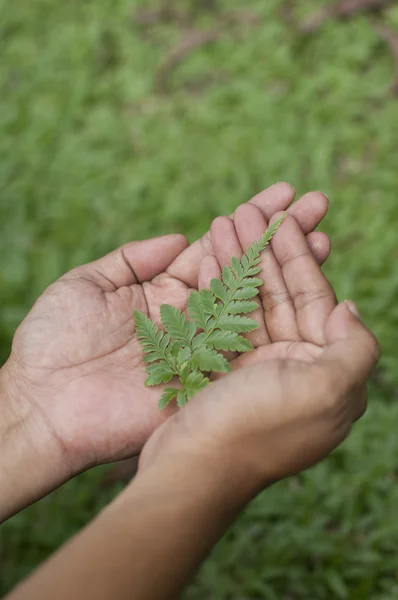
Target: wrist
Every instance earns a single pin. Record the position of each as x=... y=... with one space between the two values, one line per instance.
x=209 y=451
x=31 y=462
x=197 y=474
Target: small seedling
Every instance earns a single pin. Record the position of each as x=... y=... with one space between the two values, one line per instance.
x=189 y=348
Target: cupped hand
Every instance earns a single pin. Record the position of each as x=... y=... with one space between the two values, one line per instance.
x=293 y=399
x=76 y=366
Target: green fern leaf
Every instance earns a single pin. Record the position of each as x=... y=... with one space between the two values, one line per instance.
x=174 y=350
x=228 y=278
x=152 y=356
x=236 y=267
x=219 y=310
x=168 y=395
x=176 y=324
x=253 y=271
x=272 y=229
x=239 y=307
x=195 y=382
x=164 y=342
x=206 y=359
x=207 y=302
x=184 y=355
x=219 y=290
x=147 y=331
x=236 y=323
x=228 y=340
x=196 y=311
x=245 y=262
x=153 y=340
x=159 y=372
x=198 y=340
x=185 y=371
x=252 y=282
x=245 y=293
x=182 y=398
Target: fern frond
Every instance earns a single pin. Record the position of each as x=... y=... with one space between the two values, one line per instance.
x=189 y=348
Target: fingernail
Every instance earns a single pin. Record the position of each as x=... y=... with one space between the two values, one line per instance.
x=352 y=307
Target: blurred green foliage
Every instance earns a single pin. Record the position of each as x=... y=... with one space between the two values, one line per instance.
x=93 y=155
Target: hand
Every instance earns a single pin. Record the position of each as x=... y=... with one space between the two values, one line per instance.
x=266 y=420
x=75 y=374
x=295 y=397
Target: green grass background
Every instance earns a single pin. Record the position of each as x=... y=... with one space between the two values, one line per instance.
x=91 y=155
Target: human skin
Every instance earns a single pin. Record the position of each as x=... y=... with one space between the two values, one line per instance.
x=285 y=407
x=72 y=392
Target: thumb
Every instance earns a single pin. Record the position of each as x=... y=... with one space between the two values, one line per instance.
x=135 y=262
x=351 y=350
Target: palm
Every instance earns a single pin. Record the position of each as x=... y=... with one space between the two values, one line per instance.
x=78 y=347
x=84 y=347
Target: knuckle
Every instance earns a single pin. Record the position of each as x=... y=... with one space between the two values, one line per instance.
x=287 y=258
x=273 y=299
x=303 y=298
x=206 y=243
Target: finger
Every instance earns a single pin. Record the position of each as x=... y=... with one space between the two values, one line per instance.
x=226 y=244
x=312 y=295
x=277 y=308
x=308 y=211
x=209 y=269
x=134 y=262
x=319 y=244
x=350 y=343
x=350 y=356
x=300 y=351
x=186 y=267
x=224 y=240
